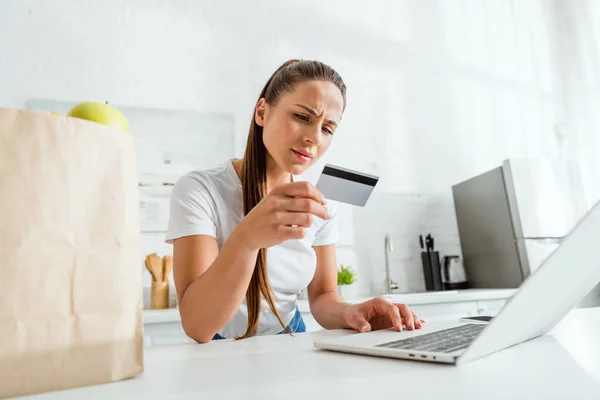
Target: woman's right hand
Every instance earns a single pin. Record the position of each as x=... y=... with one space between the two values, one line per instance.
x=283 y=214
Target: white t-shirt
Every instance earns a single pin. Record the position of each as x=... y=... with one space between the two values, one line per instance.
x=209 y=202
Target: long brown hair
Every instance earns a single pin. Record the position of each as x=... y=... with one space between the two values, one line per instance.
x=254 y=171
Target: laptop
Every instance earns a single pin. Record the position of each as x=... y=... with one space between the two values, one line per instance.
x=544 y=298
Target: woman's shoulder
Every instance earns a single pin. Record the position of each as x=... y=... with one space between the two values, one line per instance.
x=198 y=199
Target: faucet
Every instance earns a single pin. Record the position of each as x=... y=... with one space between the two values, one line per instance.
x=389 y=284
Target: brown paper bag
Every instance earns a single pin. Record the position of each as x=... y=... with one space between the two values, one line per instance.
x=70 y=282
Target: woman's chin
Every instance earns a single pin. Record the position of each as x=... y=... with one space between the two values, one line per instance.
x=297 y=169
x=293 y=165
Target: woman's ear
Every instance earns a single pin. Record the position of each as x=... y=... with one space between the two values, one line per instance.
x=259 y=112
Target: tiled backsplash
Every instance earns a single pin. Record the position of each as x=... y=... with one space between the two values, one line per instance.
x=404 y=217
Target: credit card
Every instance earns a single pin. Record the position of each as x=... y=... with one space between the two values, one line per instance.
x=346 y=185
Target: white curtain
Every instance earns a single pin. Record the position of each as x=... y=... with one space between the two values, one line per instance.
x=442 y=90
x=448 y=89
x=528 y=79
x=578 y=70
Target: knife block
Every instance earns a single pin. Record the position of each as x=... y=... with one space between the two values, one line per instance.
x=432 y=270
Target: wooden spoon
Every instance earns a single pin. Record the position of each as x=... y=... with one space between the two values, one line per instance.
x=167 y=266
x=154 y=265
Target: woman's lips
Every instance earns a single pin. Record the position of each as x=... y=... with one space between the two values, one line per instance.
x=303 y=157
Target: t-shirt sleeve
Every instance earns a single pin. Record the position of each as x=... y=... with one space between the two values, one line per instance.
x=191 y=209
x=328 y=232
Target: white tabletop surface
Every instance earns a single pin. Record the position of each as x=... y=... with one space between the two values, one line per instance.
x=562 y=365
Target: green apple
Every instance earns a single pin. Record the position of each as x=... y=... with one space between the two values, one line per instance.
x=101 y=113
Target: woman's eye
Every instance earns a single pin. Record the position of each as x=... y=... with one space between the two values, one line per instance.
x=305 y=118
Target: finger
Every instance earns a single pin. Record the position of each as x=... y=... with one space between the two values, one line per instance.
x=407 y=316
x=418 y=323
x=416 y=319
x=359 y=323
x=306 y=205
x=384 y=307
x=296 y=232
x=296 y=218
x=302 y=189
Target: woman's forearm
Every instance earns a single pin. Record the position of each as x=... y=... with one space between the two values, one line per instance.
x=212 y=299
x=328 y=309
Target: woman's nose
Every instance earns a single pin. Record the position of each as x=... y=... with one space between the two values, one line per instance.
x=313 y=135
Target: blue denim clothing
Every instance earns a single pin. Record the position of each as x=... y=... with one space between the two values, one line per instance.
x=296 y=325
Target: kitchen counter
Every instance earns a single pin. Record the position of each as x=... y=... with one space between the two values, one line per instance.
x=172 y=314
x=562 y=365
x=451 y=296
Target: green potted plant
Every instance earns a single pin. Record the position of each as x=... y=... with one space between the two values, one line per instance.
x=346 y=280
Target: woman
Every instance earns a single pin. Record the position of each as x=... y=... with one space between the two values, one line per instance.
x=247 y=238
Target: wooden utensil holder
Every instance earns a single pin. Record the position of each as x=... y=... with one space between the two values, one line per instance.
x=159 y=295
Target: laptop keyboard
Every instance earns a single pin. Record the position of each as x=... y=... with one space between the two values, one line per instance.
x=445 y=341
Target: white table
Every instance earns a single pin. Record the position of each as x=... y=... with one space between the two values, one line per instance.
x=562 y=365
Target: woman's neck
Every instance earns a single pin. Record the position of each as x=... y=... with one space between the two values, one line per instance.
x=275 y=175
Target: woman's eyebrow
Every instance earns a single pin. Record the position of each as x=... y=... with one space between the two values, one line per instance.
x=313 y=112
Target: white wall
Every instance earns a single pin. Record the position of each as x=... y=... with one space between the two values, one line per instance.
x=437 y=92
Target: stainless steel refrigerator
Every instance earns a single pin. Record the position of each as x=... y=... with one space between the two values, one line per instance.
x=512 y=217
